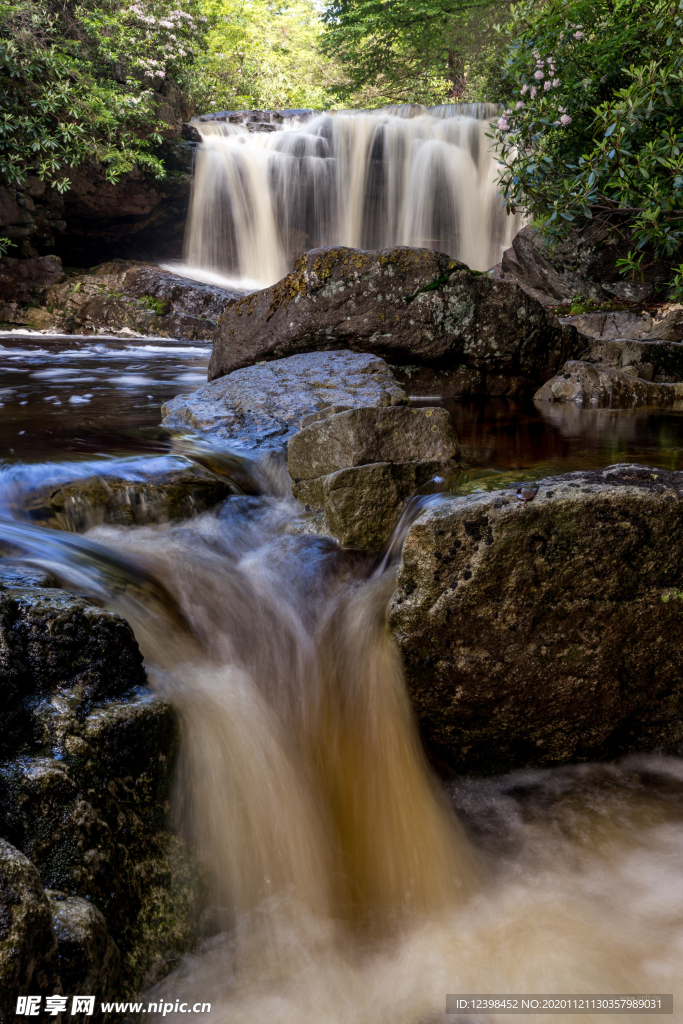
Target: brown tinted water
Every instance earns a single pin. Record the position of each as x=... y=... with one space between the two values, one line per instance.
x=344 y=884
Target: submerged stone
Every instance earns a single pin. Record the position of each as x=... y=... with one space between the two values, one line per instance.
x=81 y=504
x=408 y=306
x=261 y=406
x=546 y=634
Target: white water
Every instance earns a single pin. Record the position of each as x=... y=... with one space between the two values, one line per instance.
x=366 y=180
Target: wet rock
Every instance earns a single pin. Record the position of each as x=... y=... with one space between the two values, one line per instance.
x=60 y=656
x=89 y=960
x=588 y=384
x=540 y=635
x=527 y=264
x=606 y=324
x=29 y=962
x=361 y=505
x=410 y=306
x=261 y=406
x=93 y=821
x=140 y=297
x=82 y=504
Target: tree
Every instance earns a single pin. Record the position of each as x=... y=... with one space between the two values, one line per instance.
x=594 y=126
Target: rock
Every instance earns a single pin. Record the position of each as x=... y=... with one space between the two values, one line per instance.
x=410 y=306
x=606 y=324
x=360 y=467
x=82 y=504
x=28 y=280
x=60 y=656
x=527 y=264
x=361 y=505
x=587 y=384
x=361 y=436
x=542 y=635
x=661 y=361
x=261 y=406
x=125 y=294
x=29 y=962
x=585 y=265
x=89 y=960
x=93 y=821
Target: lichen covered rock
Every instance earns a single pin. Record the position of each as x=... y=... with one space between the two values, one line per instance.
x=89 y=960
x=261 y=406
x=407 y=305
x=540 y=635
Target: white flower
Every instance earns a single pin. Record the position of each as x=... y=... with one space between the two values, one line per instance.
x=532 y=92
x=519 y=105
x=503 y=125
x=538 y=75
x=546 y=86
x=565 y=119
x=556 y=83
x=525 y=89
x=578 y=35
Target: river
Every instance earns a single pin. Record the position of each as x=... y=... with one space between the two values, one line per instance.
x=346 y=882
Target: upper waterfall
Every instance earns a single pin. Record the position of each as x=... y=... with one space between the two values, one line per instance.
x=406 y=175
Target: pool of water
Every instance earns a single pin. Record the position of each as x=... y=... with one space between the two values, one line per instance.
x=81 y=396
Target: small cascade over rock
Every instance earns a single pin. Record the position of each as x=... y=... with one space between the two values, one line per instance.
x=264 y=193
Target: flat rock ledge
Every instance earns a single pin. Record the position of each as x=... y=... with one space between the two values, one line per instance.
x=413 y=307
x=540 y=635
x=588 y=384
x=261 y=406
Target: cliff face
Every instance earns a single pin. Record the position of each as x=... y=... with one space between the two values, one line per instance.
x=137 y=218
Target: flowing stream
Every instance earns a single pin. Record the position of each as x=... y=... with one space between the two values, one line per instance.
x=346 y=883
x=403 y=176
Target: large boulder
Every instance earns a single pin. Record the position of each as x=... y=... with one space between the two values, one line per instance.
x=261 y=406
x=29 y=961
x=540 y=635
x=89 y=960
x=410 y=306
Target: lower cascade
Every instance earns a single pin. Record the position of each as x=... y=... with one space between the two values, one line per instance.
x=358 y=179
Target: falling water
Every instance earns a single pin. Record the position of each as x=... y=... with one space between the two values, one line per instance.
x=401 y=176
x=342 y=886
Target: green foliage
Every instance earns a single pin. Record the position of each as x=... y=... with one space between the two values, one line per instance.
x=77 y=82
x=594 y=128
x=5 y=244
x=263 y=55
x=422 y=51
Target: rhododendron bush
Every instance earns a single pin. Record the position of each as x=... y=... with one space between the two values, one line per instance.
x=593 y=126
x=81 y=81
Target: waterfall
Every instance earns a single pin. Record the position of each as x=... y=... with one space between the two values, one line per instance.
x=400 y=176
